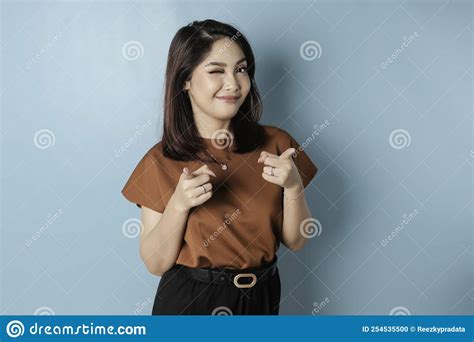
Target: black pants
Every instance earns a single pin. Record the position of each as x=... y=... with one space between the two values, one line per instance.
x=179 y=294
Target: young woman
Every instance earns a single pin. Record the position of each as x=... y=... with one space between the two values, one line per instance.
x=219 y=192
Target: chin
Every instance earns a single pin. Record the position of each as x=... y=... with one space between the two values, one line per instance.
x=225 y=116
x=226 y=113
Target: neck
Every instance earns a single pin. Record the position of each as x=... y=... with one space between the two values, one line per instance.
x=208 y=127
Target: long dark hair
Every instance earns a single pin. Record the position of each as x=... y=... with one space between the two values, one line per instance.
x=190 y=45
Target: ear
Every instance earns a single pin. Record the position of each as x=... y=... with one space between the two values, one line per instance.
x=187 y=85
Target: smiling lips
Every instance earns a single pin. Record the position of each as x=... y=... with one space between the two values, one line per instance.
x=229 y=99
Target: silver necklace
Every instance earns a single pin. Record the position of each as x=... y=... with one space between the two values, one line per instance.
x=223 y=165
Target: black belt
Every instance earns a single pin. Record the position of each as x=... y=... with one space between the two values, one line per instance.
x=230 y=276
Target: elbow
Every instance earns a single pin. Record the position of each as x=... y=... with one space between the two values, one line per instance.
x=155 y=270
x=155 y=265
x=296 y=246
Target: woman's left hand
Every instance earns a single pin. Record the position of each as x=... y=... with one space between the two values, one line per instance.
x=283 y=169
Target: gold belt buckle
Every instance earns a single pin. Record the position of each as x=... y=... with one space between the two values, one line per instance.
x=251 y=275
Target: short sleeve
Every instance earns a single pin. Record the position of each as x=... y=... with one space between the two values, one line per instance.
x=303 y=162
x=143 y=185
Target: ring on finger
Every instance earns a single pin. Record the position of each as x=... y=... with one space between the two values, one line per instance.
x=271 y=171
x=203 y=188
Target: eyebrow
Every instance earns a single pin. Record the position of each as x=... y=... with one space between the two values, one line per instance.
x=223 y=64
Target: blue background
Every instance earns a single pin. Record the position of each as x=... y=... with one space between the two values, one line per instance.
x=66 y=70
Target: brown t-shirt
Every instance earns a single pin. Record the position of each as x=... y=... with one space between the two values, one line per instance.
x=240 y=225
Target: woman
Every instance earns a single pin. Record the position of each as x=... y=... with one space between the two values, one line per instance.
x=219 y=192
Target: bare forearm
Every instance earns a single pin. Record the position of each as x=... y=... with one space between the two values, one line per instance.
x=159 y=249
x=295 y=211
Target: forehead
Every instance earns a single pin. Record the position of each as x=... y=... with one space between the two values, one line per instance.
x=224 y=50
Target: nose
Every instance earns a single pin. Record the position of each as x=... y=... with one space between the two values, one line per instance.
x=231 y=83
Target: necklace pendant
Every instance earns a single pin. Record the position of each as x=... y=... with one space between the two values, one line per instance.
x=224 y=167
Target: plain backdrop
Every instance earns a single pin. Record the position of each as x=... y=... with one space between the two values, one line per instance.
x=383 y=89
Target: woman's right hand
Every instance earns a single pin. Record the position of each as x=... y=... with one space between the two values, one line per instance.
x=189 y=191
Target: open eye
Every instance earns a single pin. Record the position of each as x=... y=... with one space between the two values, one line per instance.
x=242 y=69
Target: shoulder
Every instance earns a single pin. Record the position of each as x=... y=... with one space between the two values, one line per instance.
x=154 y=157
x=165 y=165
x=155 y=151
x=277 y=135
